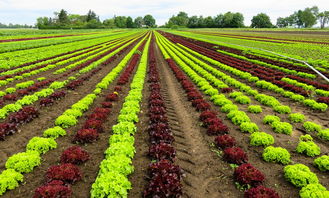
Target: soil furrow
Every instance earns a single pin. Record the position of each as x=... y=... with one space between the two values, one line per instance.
x=203 y=172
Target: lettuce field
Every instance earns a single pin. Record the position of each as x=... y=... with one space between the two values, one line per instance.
x=164 y=114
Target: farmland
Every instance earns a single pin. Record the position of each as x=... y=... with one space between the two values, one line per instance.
x=163 y=113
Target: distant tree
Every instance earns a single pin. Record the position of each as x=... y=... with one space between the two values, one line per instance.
x=181 y=20
x=149 y=21
x=209 y=22
x=309 y=16
x=120 y=21
x=94 y=24
x=193 y=22
x=62 y=17
x=91 y=15
x=237 y=20
x=138 y=22
x=282 y=22
x=109 y=23
x=201 y=23
x=130 y=23
x=261 y=20
x=227 y=19
x=323 y=18
x=218 y=21
x=233 y=20
x=42 y=22
x=305 y=18
x=77 y=21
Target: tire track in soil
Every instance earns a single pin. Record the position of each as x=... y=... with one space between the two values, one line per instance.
x=205 y=176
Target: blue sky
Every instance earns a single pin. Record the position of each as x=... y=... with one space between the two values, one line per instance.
x=26 y=12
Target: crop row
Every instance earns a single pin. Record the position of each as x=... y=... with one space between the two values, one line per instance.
x=241 y=119
x=83 y=68
x=26 y=161
x=60 y=177
x=112 y=178
x=43 y=53
x=164 y=176
x=245 y=173
x=69 y=62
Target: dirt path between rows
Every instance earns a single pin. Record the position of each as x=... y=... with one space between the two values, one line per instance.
x=205 y=175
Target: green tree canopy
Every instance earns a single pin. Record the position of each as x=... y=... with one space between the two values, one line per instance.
x=120 y=21
x=130 y=23
x=261 y=20
x=62 y=17
x=149 y=21
x=323 y=18
x=138 y=22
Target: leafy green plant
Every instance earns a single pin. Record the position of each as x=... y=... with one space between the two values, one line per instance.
x=235 y=94
x=249 y=127
x=24 y=162
x=9 y=180
x=255 y=109
x=41 y=79
x=12 y=107
x=282 y=127
x=311 y=126
x=124 y=148
x=129 y=117
x=27 y=100
x=313 y=191
x=297 y=98
x=267 y=100
x=80 y=107
x=41 y=144
x=322 y=163
x=276 y=154
x=300 y=175
x=54 y=132
x=10 y=90
x=307 y=146
x=110 y=184
x=66 y=121
x=124 y=127
x=97 y=91
x=269 y=119
x=24 y=85
x=239 y=119
x=44 y=93
x=243 y=99
x=228 y=107
x=222 y=101
x=119 y=163
x=73 y=112
x=2 y=93
x=282 y=109
x=296 y=117
x=261 y=139
x=3 y=113
x=57 y=85
x=324 y=134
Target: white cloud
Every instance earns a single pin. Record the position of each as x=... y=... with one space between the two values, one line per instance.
x=27 y=11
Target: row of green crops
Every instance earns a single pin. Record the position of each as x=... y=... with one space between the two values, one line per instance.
x=25 y=162
x=112 y=178
x=240 y=118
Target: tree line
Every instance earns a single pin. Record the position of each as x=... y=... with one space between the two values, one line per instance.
x=302 y=19
x=64 y=20
x=10 y=25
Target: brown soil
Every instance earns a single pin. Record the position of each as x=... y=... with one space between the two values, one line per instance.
x=205 y=175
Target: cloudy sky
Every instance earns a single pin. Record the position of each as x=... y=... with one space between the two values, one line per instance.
x=26 y=11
